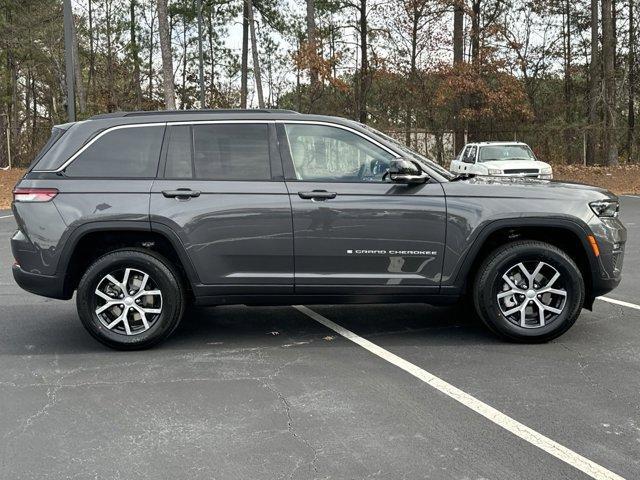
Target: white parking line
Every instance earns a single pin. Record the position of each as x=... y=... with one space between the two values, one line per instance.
x=619 y=302
x=7 y=216
x=525 y=433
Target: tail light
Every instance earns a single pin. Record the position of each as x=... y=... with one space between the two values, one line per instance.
x=34 y=194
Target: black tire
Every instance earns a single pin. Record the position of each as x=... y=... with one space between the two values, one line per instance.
x=165 y=278
x=489 y=283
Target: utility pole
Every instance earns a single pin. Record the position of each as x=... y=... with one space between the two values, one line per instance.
x=201 y=58
x=68 y=60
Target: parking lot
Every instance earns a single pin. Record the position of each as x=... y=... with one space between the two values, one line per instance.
x=273 y=392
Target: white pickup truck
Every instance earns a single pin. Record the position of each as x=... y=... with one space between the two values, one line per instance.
x=500 y=159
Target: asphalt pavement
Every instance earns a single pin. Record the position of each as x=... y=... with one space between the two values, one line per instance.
x=266 y=393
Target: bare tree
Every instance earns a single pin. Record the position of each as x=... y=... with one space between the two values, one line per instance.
x=254 y=52
x=313 y=46
x=594 y=86
x=244 y=67
x=134 y=53
x=458 y=58
x=631 y=60
x=610 y=143
x=167 y=58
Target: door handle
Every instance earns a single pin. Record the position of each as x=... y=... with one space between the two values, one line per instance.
x=317 y=195
x=181 y=193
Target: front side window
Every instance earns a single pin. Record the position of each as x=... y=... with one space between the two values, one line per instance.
x=131 y=152
x=470 y=156
x=332 y=154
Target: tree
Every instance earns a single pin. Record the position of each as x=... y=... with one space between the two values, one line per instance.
x=137 y=84
x=167 y=56
x=594 y=86
x=254 y=52
x=610 y=142
x=244 y=68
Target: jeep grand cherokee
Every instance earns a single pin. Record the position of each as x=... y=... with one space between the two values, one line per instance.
x=140 y=213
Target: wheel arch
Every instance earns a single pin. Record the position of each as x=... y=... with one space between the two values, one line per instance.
x=91 y=240
x=569 y=235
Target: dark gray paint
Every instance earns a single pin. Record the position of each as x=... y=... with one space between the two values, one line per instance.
x=235 y=233
x=239 y=236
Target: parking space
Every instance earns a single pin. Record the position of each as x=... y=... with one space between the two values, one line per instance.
x=272 y=393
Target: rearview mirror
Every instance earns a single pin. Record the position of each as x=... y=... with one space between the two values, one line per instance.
x=403 y=170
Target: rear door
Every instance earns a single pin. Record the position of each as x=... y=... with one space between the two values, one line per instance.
x=354 y=231
x=221 y=191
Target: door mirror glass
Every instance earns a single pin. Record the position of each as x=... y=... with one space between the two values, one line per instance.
x=403 y=170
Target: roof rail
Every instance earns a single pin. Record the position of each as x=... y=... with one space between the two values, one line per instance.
x=189 y=112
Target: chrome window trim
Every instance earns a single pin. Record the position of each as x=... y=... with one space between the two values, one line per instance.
x=94 y=139
x=205 y=122
x=343 y=127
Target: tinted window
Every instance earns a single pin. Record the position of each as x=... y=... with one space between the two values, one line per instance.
x=126 y=153
x=179 y=152
x=231 y=151
x=323 y=153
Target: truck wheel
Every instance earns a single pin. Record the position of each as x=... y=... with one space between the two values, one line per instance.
x=529 y=291
x=130 y=299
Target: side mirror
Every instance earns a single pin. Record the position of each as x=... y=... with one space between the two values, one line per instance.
x=469 y=160
x=402 y=170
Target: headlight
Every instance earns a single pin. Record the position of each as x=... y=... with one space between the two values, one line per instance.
x=605 y=208
x=495 y=171
x=545 y=171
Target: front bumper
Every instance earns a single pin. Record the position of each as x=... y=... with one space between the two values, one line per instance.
x=51 y=286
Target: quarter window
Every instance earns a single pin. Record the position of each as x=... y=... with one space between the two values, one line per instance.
x=131 y=152
x=331 y=154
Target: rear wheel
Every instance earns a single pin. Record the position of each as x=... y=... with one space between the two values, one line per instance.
x=130 y=299
x=529 y=291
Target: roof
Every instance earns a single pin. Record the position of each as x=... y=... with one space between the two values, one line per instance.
x=497 y=143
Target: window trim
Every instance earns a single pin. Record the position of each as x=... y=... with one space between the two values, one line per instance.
x=95 y=138
x=275 y=174
x=287 y=159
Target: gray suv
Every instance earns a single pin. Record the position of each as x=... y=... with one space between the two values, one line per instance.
x=142 y=213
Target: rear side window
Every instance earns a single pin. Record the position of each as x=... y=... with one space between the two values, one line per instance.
x=131 y=152
x=218 y=152
x=231 y=152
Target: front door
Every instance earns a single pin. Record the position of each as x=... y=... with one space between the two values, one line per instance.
x=354 y=231
x=221 y=191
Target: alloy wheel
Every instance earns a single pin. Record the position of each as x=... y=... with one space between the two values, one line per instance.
x=531 y=294
x=128 y=301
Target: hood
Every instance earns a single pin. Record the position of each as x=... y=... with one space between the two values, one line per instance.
x=534 y=187
x=509 y=164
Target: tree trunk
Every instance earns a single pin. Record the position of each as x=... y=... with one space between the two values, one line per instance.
x=594 y=87
x=254 y=52
x=92 y=51
x=568 y=94
x=458 y=59
x=364 y=63
x=631 y=119
x=415 y=18
x=167 y=60
x=244 y=67
x=610 y=143
x=475 y=32
x=134 y=54
x=313 y=50
x=80 y=91
x=151 y=52
x=111 y=102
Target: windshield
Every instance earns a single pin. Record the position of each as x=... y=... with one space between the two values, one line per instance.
x=505 y=152
x=410 y=153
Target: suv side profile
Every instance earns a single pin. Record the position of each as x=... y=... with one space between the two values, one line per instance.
x=141 y=213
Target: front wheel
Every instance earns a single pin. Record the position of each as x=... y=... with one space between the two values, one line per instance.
x=130 y=299
x=529 y=291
